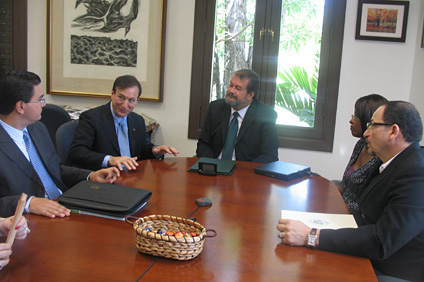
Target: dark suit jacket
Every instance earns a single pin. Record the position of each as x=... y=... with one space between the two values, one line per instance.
x=18 y=176
x=391 y=219
x=257 y=140
x=95 y=137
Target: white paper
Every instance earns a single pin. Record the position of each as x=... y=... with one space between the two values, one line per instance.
x=321 y=220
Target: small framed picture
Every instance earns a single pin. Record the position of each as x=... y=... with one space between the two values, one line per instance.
x=382 y=20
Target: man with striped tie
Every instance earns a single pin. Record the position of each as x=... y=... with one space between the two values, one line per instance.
x=29 y=162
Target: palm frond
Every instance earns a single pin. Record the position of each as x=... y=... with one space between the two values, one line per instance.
x=296 y=92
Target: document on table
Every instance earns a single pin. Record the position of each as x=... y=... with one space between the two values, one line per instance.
x=321 y=220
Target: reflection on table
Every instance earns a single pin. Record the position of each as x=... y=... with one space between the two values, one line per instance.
x=245 y=210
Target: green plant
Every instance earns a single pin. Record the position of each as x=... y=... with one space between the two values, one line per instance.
x=297 y=93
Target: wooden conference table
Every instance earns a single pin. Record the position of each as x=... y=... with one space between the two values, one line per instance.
x=245 y=211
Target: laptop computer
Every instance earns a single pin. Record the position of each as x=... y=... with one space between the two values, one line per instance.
x=224 y=167
x=104 y=200
x=283 y=170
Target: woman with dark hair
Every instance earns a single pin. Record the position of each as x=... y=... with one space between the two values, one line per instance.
x=360 y=163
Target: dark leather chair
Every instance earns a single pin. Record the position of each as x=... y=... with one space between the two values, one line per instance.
x=64 y=136
x=54 y=116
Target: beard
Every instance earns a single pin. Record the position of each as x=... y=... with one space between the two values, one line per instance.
x=232 y=102
x=369 y=150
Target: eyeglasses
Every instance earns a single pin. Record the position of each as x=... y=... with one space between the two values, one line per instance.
x=353 y=117
x=42 y=101
x=369 y=124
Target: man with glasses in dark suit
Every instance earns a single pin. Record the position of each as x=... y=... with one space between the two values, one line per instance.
x=29 y=162
x=391 y=207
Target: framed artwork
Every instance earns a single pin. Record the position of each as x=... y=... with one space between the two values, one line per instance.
x=382 y=20
x=90 y=43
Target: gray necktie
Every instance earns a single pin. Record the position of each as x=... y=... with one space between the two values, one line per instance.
x=124 y=145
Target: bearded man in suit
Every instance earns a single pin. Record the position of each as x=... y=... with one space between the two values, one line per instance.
x=256 y=139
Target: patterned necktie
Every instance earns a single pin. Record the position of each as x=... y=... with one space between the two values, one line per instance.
x=52 y=192
x=230 y=140
x=124 y=145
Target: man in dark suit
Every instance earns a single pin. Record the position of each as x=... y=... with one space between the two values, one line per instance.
x=391 y=208
x=22 y=100
x=97 y=142
x=257 y=138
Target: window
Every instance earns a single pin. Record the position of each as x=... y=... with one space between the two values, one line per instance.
x=259 y=38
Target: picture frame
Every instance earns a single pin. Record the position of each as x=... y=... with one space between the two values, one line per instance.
x=382 y=20
x=90 y=46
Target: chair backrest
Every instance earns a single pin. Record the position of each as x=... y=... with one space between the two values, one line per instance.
x=54 y=116
x=64 y=136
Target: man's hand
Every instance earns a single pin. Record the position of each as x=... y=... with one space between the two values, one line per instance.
x=293 y=232
x=48 y=208
x=163 y=149
x=129 y=163
x=105 y=175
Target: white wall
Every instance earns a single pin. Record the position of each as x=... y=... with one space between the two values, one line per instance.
x=394 y=70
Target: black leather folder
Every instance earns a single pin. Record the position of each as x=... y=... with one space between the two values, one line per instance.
x=104 y=200
x=283 y=170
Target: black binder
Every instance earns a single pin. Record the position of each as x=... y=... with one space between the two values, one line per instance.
x=104 y=200
x=283 y=170
x=224 y=167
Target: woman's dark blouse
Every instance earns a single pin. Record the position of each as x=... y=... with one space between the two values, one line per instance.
x=352 y=183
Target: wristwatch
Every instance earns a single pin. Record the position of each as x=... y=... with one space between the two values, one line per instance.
x=312 y=238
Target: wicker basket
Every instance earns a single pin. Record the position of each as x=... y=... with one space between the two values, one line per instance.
x=168 y=246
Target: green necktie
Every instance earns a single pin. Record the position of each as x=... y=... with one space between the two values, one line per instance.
x=230 y=140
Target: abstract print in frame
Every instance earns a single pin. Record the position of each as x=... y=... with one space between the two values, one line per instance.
x=91 y=42
x=382 y=20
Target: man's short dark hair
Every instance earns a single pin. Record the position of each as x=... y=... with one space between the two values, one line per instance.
x=15 y=86
x=126 y=81
x=407 y=117
x=366 y=106
x=253 y=77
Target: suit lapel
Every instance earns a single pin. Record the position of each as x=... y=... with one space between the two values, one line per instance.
x=9 y=148
x=247 y=120
x=225 y=120
x=109 y=126
x=375 y=177
x=132 y=134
